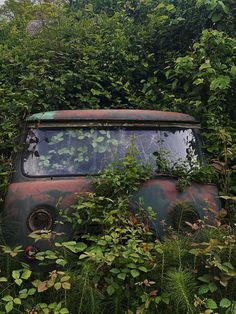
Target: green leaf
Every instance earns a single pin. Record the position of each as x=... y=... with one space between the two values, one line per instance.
x=157 y=300
x=212 y=287
x=95 y=92
x=57 y=285
x=23 y=294
x=221 y=82
x=26 y=274
x=198 y=81
x=216 y=17
x=100 y=139
x=135 y=273
x=17 y=301
x=225 y=303
x=211 y=304
x=66 y=285
x=142 y=268
x=205 y=66
x=3 y=279
x=229 y=265
x=203 y=289
x=16 y=274
x=121 y=276
x=233 y=70
x=65 y=278
x=61 y=262
x=18 y=281
x=204 y=278
x=7 y=298
x=110 y=290
x=115 y=270
x=9 y=307
x=83 y=256
x=31 y=291
x=70 y=245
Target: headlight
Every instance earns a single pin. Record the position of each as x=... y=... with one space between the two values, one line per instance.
x=183 y=213
x=40 y=219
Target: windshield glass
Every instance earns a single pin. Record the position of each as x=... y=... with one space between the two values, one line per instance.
x=83 y=151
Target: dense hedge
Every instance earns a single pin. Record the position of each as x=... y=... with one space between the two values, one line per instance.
x=174 y=55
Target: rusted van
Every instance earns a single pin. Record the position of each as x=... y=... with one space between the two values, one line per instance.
x=63 y=149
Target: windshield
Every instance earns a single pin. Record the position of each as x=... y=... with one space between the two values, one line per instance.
x=83 y=151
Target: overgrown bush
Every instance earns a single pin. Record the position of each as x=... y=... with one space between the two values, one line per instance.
x=115 y=263
x=165 y=55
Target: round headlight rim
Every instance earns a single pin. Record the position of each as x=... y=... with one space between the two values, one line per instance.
x=40 y=210
x=184 y=209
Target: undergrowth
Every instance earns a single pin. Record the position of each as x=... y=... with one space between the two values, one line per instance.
x=121 y=267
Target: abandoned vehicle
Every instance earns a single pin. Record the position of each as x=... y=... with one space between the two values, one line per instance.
x=63 y=149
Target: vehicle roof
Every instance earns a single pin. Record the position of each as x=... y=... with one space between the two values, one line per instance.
x=111 y=115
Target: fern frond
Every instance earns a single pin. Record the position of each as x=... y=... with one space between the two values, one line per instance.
x=181 y=286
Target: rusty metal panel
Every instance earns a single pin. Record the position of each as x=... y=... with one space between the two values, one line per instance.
x=162 y=195
x=159 y=193
x=25 y=197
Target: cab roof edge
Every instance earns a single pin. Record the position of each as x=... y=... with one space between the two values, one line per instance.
x=112 y=115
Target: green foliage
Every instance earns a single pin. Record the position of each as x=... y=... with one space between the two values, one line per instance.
x=115 y=262
x=167 y=55
x=186 y=171
x=180 y=285
x=108 y=54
